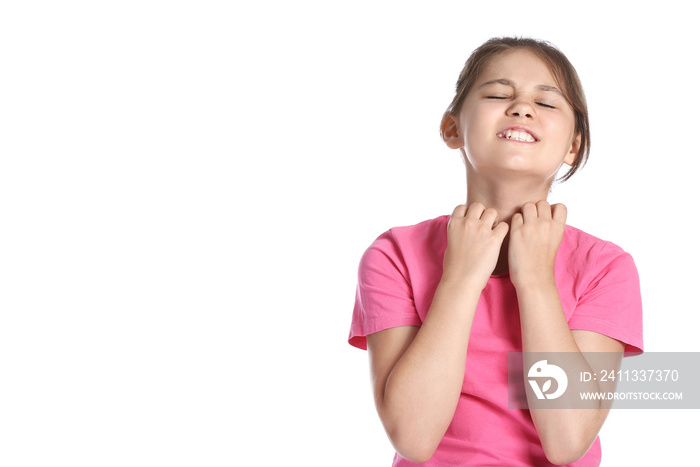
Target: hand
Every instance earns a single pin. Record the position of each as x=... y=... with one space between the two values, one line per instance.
x=535 y=235
x=473 y=244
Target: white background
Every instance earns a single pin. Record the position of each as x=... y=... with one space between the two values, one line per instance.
x=186 y=189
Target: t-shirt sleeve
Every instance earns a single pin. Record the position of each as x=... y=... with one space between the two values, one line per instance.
x=383 y=297
x=611 y=304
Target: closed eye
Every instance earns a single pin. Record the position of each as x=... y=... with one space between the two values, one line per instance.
x=542 y=104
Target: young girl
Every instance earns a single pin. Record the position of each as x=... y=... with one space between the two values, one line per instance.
x=440 y=304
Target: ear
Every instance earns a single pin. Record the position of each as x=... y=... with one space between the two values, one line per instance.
x=450 y=131
x=573 y=151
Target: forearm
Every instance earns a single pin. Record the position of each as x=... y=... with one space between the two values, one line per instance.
x=543 y=324
x=566 y=432
x=423 y=389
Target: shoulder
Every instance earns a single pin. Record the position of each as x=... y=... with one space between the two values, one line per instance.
x=581 y=251
x=408 y=245
x=413 y=237
x=576 y=241
x=601 y=288
x=427 y=230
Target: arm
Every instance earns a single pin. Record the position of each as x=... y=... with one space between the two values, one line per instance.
x=566 y=434
x=417 y=373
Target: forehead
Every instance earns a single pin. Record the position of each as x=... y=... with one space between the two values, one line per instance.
x=520 y=66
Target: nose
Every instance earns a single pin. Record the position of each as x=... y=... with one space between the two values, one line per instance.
x=521 y=109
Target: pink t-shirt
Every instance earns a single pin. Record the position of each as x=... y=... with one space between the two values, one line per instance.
x=599 y=289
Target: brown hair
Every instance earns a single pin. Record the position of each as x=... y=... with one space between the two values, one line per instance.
x=562 y=70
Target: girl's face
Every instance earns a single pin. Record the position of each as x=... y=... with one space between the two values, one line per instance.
x=515 y=120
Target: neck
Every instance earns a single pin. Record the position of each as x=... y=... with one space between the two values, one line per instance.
x=506 y=195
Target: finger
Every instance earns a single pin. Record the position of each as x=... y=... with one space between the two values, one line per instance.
x=501 y=230
x=516 y=221
x=475 y=210
x=543 y=209
x=529 y=211
x=489 y=216
x=559 y=213
x=459 y=211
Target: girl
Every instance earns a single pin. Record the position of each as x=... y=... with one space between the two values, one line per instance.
x=440 y=304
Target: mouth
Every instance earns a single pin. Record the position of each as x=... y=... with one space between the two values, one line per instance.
x=518 y=134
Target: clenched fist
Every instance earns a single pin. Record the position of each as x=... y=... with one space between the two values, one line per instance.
x=535 y=235
x=473 y=244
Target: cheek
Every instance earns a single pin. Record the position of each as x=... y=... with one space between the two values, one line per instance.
x=476 y=135
x=474 y=142
x=563 y=131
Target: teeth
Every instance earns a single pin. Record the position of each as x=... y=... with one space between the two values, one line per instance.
x=517 y=135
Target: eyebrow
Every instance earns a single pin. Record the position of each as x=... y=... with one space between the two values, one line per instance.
x=507 y=82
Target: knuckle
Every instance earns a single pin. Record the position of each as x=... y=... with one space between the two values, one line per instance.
x=471 y=223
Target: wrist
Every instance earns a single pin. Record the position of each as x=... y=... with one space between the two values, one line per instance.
x=533 y=280
x=462 y=284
